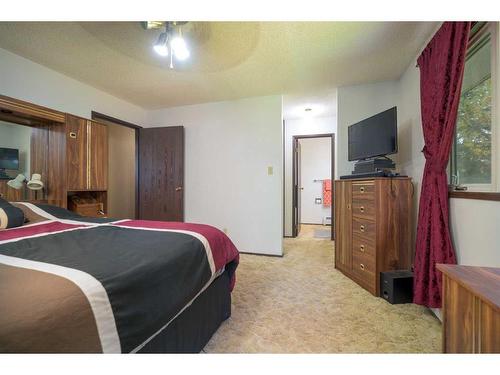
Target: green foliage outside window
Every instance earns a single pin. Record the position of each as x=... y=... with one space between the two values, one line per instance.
x=473 y=135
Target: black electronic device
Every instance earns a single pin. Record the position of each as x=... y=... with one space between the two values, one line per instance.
x=374 y=136
x=397 y=286
x=9 y=159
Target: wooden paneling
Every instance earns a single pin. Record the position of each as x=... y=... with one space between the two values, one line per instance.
x=29 y=111
x=56 y=166
x=98 y=156
x=161 y=173
x=10 y=194
x=343 y=225
x=471 y=309
x=87 y=150
x=377 y=236
x=76 y=146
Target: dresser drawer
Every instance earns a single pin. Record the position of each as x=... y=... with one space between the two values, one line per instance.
x=363 y=208
x=363 y=267
x=363 y=190
x=363 y=228
x=363 y=245
x=88 y=209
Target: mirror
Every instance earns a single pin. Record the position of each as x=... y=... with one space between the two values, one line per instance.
x=15 y=159
x=15 y=137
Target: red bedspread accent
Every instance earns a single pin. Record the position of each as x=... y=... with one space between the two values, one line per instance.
x=223 y=249
x=51 y=227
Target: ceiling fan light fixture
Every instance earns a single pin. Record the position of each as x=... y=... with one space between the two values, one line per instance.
x=161 y=47
x=179 y=48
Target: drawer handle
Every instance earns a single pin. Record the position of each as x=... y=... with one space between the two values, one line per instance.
x=362 y=248
x=362 y=189
x=72 y=135
x=362 y=266
x=362 y=209
x=362 y=228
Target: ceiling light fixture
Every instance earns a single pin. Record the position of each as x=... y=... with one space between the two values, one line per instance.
x=161 y=47
x=172 y=42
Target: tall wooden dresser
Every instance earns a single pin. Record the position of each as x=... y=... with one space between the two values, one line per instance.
x=372 y=228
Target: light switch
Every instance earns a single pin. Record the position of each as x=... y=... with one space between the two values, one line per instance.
x=270 y=171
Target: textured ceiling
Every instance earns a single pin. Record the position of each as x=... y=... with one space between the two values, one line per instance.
x=229 y=60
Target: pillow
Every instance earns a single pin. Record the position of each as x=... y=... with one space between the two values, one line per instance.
x=10 y=216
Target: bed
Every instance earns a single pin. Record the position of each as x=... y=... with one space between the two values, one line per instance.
x=84 y=285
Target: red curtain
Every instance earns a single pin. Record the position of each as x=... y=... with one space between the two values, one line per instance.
x=441 y=70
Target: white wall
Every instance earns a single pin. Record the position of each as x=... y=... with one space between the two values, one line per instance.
x=302 y=126
x=315 y=155
x=355 y=103
x=17 y=136
x=23 y=79
x=229 y=147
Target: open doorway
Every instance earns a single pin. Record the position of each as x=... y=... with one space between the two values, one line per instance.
x=313 y=170
x=122 y=166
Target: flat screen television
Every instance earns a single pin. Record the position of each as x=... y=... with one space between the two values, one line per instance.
x=374 y=136
x=9 y=158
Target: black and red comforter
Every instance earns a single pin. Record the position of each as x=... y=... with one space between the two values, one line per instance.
x=74 y=284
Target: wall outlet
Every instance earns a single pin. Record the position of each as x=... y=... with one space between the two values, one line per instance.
x=270 y=170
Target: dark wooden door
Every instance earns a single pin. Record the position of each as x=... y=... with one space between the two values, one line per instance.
x=98 y=158
x=76 y=152
x=161 y=174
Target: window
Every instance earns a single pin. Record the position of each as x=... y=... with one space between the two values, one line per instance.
x=474 y=153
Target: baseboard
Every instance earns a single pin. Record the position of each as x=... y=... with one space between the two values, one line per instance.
x=266 y=255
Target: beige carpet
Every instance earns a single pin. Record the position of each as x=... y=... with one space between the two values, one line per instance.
x=301 y=304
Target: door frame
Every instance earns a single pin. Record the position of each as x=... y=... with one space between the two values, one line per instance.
x=101 y=116
x=296 y=138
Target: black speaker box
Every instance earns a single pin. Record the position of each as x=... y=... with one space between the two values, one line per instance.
x=397 y=286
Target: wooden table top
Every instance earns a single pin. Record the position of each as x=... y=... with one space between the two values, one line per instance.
x=482 y=281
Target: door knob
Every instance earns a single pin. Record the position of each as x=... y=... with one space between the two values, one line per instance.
x=178 y=188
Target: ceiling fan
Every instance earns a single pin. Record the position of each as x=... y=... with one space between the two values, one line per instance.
x=170 y=42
